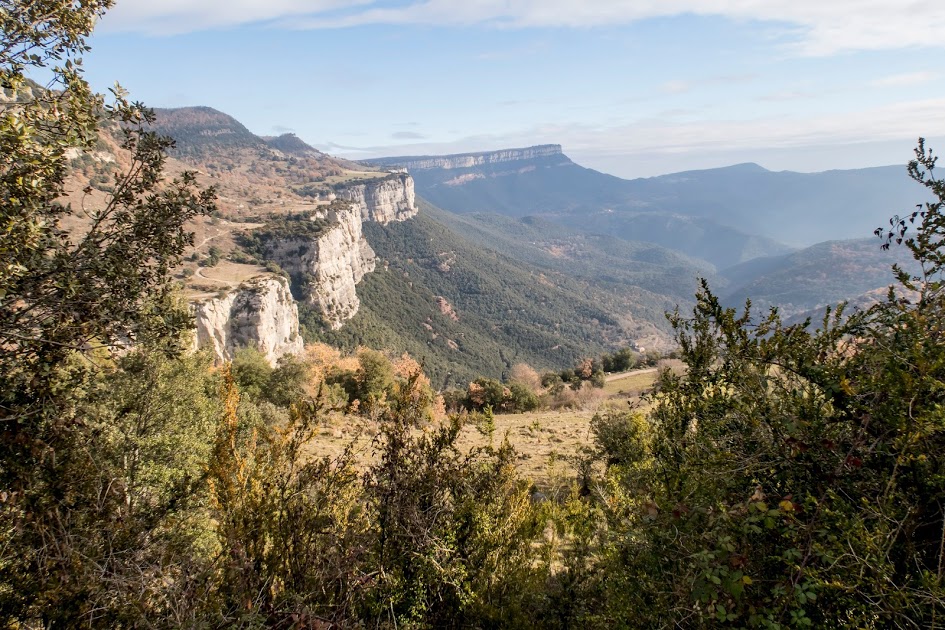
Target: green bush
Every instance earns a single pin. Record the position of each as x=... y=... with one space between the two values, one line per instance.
x=791 y=477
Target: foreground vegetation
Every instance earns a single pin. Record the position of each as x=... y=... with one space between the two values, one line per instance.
x=785 y=478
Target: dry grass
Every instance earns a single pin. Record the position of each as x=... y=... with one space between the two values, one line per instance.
x=353 y=176
x=544 y=440
x=630 y=384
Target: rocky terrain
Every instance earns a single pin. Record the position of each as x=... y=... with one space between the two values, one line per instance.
x=237 y=301
x=382 y=200
x=327 y=267
x=259 y=313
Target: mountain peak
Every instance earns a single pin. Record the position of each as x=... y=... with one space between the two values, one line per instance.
x=202 y=126
x=291 y=144
x=748 y=166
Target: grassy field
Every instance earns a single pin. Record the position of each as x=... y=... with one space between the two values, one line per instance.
x=544 y=440
x=354 y=176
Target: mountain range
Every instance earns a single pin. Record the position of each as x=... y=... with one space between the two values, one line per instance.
x=724 y=215
x=522 y=255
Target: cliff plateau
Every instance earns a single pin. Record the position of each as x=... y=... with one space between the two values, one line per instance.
x=470 y=160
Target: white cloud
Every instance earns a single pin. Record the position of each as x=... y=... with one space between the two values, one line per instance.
x=819 y=27
x=905 y=121
x=166 y=17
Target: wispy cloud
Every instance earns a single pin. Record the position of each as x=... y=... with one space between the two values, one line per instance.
x=668 y=136
x=787 y=95
x=674 y=87
x=817 y=27
x=171 y=17
x=407 y=135
x=907 y=78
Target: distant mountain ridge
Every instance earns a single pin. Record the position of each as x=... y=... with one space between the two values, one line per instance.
x=291 y=144
x=818 y=276
x=543 y=182
x=776 y=209
x=468 y=160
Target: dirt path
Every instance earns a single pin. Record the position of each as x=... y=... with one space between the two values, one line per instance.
x=620 y=375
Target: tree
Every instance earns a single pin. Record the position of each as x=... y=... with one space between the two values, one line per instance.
x=64 y=291
x=525 y=375
x=69 y=294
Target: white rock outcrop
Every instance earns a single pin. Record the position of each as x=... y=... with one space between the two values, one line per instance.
x=383 y=200
x=327 y=267
x=260 y=312
x=330 y=264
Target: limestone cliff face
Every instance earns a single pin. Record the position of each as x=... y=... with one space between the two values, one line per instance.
x=383 y=200
x=326 y=264
x=260 y=313
x=330 y=264
x=470 y=160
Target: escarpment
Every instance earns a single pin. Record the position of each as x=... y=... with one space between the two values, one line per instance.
x=324 y=253
x=260 y=312
x=391 y=198
x=470 y=160
x=327 y=266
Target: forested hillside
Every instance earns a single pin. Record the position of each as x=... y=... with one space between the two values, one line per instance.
x=469 y=311
x=604 y=260
x=824 y=274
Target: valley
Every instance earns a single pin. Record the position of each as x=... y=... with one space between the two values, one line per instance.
x=476 y=262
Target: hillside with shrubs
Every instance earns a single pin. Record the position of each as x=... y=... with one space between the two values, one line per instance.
x=779 y=476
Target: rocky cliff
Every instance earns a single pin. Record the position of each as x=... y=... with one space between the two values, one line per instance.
x=329 y=265
x=391 y=198
x=260 y=313
x=326 y=255
x=470 y=160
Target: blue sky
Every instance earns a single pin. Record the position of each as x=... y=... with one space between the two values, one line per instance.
x=631 y=87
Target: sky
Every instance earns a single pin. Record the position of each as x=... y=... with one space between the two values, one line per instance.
x=635 y=88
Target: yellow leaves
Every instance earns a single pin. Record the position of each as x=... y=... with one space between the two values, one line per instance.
x=476 y=394
x=786 y=505
x=323 y=359
x=845 y=386
x=228 y=468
